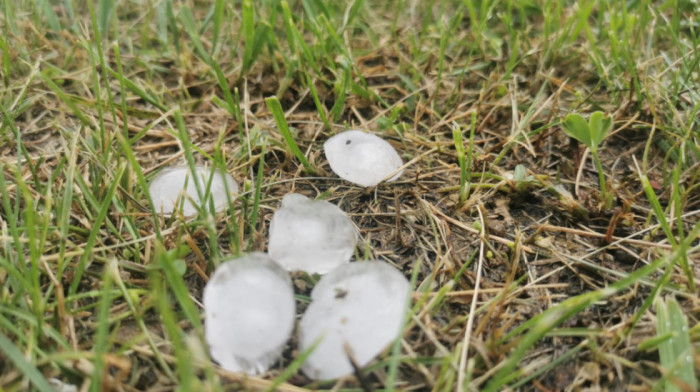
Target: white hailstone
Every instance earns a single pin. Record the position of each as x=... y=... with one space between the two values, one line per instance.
x=249 y=313
x=362 y=158
x=60 y=386
x=360 y=306
x=173 y=185
x=310 y=235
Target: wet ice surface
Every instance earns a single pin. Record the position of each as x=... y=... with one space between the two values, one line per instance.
x=310 y=235
x=361 y=304
x=167 y=188
x=249 y=313
x=362 y=158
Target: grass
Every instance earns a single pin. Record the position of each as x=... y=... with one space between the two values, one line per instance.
x=531 y=263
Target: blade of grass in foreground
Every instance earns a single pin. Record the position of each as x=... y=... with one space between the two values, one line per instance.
x=16 y=357
x=276 y=108
x=64 y=98
x=676 y=353
x=541 y=324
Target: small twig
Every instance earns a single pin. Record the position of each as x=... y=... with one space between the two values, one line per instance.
x=472 y=308
x=584 y=233
x=461 y=225
x=492 y=290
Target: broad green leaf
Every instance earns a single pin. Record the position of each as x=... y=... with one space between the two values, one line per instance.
x=684 y=364
x=599 y=125
x=675 y=353
x=576 y=127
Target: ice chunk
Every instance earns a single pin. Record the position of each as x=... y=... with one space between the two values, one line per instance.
x=310 y=235
x=173 y=184
x=359 y=304
x=362 y=158
x=249 y=313
x=60 y=386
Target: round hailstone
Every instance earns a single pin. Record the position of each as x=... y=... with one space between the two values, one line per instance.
x=310 y=235
x=167 y=189
x=249 y=313
x=360 y=306
x=362 y=158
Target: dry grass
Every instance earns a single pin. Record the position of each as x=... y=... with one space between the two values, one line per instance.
x=91 y=299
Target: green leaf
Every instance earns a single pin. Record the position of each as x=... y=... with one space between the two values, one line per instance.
x=276 y=108
x=576 y=127
x=599 y=125
x=675 y=354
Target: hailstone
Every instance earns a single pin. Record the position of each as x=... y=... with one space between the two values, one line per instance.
x=310 y=235
x=173 y=185
x=362 y=158
x=249 y=313
x=360 y=306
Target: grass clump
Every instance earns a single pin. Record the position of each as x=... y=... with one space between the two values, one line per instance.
x=99 y=291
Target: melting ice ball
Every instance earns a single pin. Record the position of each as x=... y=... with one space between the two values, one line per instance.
x=359 y=305
x=362 y=158
x=175 y=184
x=310 y=235
x=249 y=313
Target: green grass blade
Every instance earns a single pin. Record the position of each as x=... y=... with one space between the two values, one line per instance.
x=256 y=197
x=462 y=160
x=276 y=108
x=46 y=8
x=104 y=11
x=293 y=367
x=248 y=27
x=187 y=20
x=319 y=106
x=675 y=353
x=218 y=21
x=97 y=226
x=65 y=99
x=541 y=324
x=30 y=371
